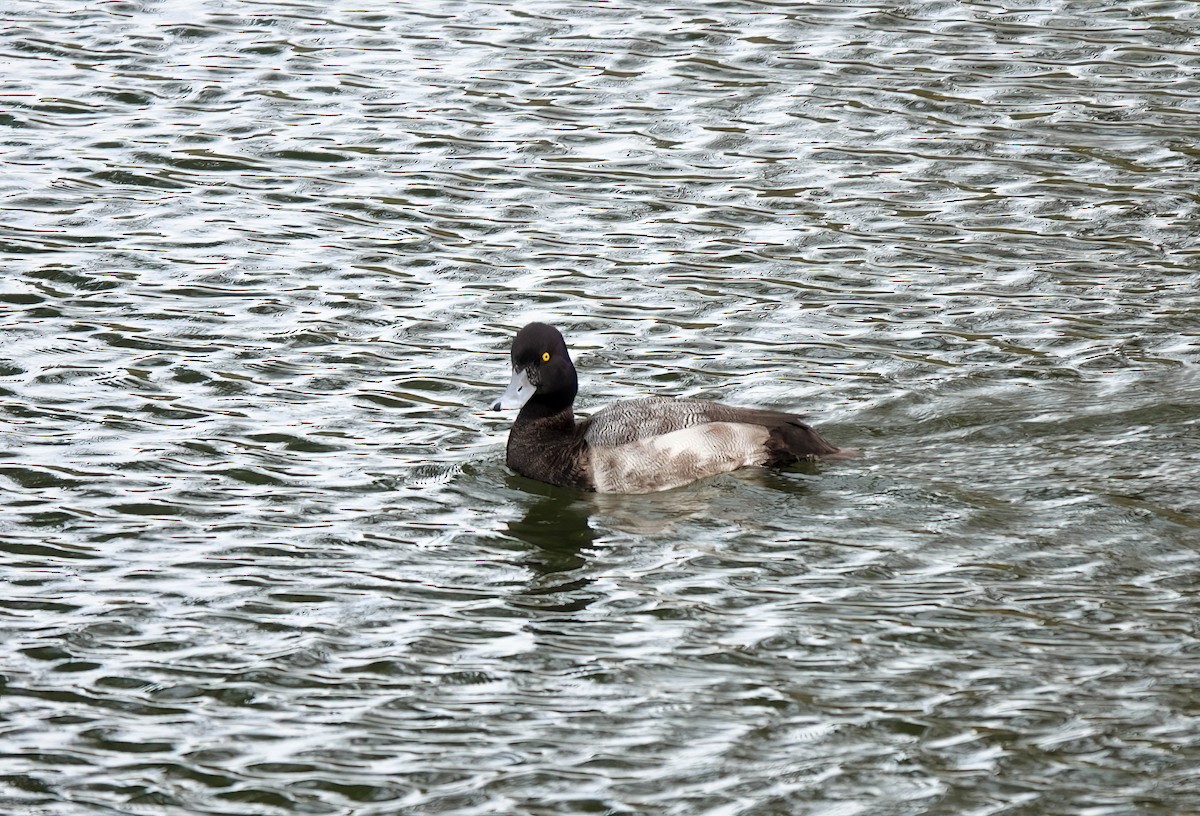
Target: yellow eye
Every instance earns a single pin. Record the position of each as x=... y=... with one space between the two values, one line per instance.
x=545 y=356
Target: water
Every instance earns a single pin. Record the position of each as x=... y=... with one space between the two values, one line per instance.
x=262 y=262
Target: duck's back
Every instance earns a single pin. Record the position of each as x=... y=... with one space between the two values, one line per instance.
x=629 y=420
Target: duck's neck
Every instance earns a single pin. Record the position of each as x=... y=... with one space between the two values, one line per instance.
x=547 y=418
x=560 y=402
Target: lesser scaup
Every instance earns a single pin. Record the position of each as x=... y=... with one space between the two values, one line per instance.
x=634 y=446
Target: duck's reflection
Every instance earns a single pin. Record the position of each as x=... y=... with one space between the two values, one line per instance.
x=561 y=525
x=557 y=527
x=652 y=514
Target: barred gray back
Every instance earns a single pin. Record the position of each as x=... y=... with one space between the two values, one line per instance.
x=630 y=420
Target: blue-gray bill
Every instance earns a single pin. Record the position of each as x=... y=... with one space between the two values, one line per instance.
x=519 y=390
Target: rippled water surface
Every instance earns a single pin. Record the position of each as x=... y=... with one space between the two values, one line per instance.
x=262 y=261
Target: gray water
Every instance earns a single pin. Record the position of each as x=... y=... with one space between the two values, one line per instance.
x=262 y=262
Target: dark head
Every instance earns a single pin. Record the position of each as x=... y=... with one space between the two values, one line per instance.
x=543 y=380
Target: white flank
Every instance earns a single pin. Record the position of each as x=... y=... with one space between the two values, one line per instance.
x=679 y=457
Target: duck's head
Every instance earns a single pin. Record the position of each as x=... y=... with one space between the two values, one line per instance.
x=543 y=375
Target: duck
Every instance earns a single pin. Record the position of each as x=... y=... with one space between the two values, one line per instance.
x=640 y=445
